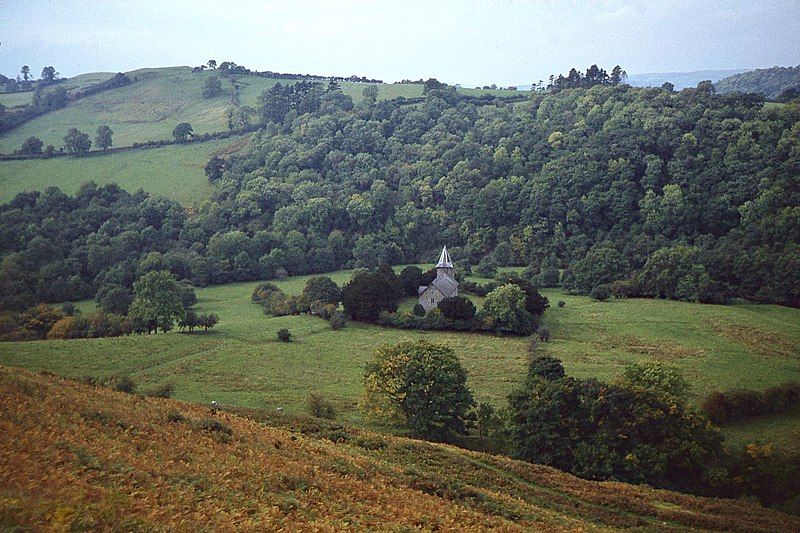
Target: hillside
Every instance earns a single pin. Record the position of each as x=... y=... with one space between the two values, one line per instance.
x=770 y=82
x=241 y=363
x=105 y=459
x=681 y=80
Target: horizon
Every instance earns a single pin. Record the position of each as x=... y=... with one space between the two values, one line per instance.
x=541 y=38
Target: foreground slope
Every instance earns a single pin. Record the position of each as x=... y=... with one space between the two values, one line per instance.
x=77 y=457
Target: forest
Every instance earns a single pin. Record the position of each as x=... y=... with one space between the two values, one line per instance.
x=639 y=191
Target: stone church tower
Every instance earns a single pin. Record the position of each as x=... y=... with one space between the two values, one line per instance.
x=443 y=286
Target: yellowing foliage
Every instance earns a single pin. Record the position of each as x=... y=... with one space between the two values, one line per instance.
x=85 y=458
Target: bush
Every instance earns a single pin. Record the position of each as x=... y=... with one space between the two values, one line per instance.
x=505 y=310
x=320 y=407
x=544 y=333
x=211 y=424
x=161 y=391
x=561 y=303
x=323 y=289
x=728 y=406
x=124 y=384
x=262 y=292
x=419 y=310
x=175 y=417
x=338 y=320
x=284 y=335
x=546 y=367
x=411 y=278
x=371 y=292
x=457 y=308
x=600 y=293
x=487 y=267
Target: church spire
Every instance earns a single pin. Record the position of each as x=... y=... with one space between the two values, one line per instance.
x=444 y=259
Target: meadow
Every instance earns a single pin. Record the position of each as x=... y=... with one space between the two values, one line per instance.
x=241 y=362
x=175 y=171
x=159 y=99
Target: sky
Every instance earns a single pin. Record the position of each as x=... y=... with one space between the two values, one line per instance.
x=469 y=42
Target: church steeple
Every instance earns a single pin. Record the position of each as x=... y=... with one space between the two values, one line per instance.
x=445 y=265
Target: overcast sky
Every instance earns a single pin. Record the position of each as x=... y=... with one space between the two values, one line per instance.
x=468 y=42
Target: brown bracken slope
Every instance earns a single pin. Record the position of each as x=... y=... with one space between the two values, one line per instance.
x=76 y=457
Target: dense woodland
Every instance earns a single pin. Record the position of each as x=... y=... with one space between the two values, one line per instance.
x=778 y=83
x=690 y=195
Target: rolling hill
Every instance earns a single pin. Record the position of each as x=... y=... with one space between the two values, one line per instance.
x=770 y=82
x=681 y=80
x=105 y=459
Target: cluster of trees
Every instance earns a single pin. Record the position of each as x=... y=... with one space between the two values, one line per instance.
x=575 y=79
x=728 y=406
x=539 y=183
x=229 y=67
x=75 y=142
x=777 y=83
x=25 y=82
x=320 y=297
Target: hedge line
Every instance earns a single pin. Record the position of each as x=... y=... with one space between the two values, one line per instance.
x=728 y=406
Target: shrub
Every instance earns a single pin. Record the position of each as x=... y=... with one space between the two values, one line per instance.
x=262 y=292
x=211 y=424
x=323 y=289
x=544 y=333
x=320 y=407
x=533 y=346
x=546 y=367
x=161 y=391
x=124 y=384
x=338 y=320
x=487 y=267
x=411 y=278
x=457 y=308
x=723 y=407
x=561 y=303
x=175 y=417
x=284 y=335
x=371 y=292
x=600 y=293
x=419 y=310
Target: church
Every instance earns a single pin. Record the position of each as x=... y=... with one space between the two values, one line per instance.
x=443 y=286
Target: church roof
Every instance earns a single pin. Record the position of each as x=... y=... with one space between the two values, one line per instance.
x=446 y=285
x=444 y=259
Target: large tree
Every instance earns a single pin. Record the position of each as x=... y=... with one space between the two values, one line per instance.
x=212 y=87
x=157 y=301
x=104 y=140
x=77 y=142
x=182 y=132
x=420 y=384
x=32 y=145
x=49 y=74
x=25 y=72
x=371 y=292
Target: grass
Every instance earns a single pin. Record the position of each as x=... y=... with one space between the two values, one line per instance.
x=175 y=171
x=106 y=460
x=242 y=363
x=160 y=99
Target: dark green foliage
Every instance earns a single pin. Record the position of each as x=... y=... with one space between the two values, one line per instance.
x=546 y=367
x=161 y=391
x=320 y=407
x=728 y=406
x=418 y=310
x=213 y=425
x=214 y=168
x=504 y=309
x=769 y=82
x=104 y=138
x=182 y=132
x=323 y=289
x=411 y=278
x=487 y=268
x=158 y=301
x=600 y=292
x=284 y=335
x=561 y=303
x=370 y=292
x=457 y=308
x=337 y=320
x=535 y=303
x=113 y=298
x=602 y=264
x=69 y=309
x=32 y=145
x=76 y=142
x=123 y=384
x=600 y=431
x=544 y=333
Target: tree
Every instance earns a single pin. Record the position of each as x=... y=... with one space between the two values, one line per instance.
x=212 y=63
x=32 y=145
x=114 y=298
x=505 y=307
x=411 y=278
x=103 y=139
x=25 y=71
x=546 y=367
x=322 y=289
x=49 y=75
x=157 y=301
x=602 y=264
x=182 y=132
x=77 y=142
x=370 y=292
x=457 y=308
x=421 y=385
x=215 y=168
x=659 y=378
x=212 y=87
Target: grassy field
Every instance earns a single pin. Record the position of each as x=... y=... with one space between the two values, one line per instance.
x=241 y=362
x=176 y=171
x=105 y=460
x=159 y=99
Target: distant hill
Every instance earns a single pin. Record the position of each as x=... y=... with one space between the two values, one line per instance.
x=770 y=82
x=681 y=80
x=107 y=460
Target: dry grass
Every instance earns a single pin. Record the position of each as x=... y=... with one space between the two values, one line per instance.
x=77 y=457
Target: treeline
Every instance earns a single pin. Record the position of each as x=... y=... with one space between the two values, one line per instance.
x=781 y=84
x=692 y=193
x=229 y=68
x=729 y=406
x=594 y=75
